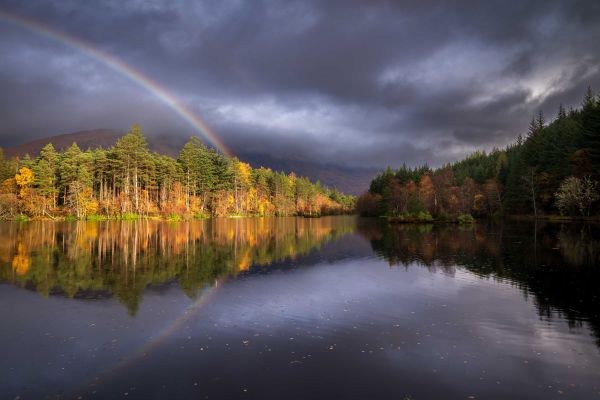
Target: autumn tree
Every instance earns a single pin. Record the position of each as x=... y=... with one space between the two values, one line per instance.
x=240 y=172
x=493 y=196
x=397 y=197
x=576 y=194
x=24 y=178
x=368 y=204
x=427 y=193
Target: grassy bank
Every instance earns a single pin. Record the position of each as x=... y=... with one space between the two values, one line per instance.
x=423 y=217
x=159 y=217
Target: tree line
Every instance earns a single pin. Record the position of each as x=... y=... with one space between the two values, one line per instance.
x=128 y=181
x=554 y=169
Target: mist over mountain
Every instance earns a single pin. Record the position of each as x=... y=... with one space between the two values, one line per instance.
x=346 y=179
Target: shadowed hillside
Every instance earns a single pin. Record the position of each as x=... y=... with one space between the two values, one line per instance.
x=85 y=139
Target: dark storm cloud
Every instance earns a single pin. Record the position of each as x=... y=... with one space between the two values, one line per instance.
x=348 y=82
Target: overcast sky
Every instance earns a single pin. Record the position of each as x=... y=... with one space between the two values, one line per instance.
x=358 y=83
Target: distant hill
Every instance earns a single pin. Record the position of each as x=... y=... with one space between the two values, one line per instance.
x=84 y=139
x=347 y=180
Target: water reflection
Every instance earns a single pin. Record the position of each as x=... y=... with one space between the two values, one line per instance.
x=409 y=311
x=556 y=264
x=87 y=259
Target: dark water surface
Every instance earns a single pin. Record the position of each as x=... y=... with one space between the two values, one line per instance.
x=294 y=308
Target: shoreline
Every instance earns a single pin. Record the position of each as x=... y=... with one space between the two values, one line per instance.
x=176 y=218
x=456 y=220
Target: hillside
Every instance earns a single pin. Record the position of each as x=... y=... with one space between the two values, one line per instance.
x=347 y=180
x=554 y=169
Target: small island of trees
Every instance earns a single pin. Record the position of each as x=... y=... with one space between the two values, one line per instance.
x=129 y=181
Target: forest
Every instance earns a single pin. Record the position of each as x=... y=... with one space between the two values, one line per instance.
x=553 y=170
x=127 y=181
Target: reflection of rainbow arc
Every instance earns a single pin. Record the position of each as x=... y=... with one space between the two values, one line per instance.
x=116 y=65
x=154 y=342
x=190 y=312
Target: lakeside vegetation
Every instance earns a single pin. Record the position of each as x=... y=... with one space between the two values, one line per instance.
x=127 y=181
x=553 y=171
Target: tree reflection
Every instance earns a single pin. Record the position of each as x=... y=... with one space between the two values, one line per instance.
x=558 y=265
x=123 y=258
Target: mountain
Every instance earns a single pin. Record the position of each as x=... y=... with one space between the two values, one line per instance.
x=84 y=139
x=347 y=180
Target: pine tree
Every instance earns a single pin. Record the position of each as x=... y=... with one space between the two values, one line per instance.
x=223 y=178
x=589 y=100
x=590 y=126
x=540 y=121
x=132 y=154
x=68 y=170
x=46 y=171
x=562 y=114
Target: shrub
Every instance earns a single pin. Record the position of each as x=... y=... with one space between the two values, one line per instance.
x=576 y=194
x=22 y=218
x=96 y=217
x=174 y=217
x=465 y=219
x=129 y=216
x=424 y=216
x=414 y=206
x=9 y=206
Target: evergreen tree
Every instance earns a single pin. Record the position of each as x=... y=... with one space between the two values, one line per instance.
x=132 y=154
x=590 y=126
x=68 y=170
x=46 y=173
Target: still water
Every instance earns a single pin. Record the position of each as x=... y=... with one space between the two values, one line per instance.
x=294 y=308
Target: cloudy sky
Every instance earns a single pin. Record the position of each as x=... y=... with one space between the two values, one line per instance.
x=356 y=83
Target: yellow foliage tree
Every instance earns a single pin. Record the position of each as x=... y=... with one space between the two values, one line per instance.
x=24 y=178
x=21 y=262
x=244 y=172
x=87 y=203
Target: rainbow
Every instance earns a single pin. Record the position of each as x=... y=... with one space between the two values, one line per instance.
x=123 y=69
x=152 y=343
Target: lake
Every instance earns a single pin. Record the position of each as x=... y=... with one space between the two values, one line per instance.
x=296 y=308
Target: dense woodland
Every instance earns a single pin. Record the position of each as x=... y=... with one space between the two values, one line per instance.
x=128 y=181
x=554 y=170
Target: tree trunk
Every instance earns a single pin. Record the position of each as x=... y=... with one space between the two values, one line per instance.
x=187 y=192
x=533 y=195
x=136 y=190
